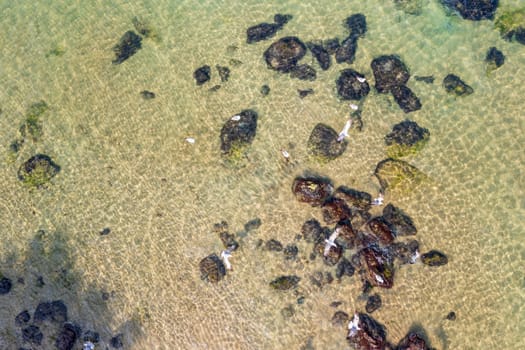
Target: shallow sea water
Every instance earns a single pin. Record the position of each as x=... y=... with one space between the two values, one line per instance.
x=125 y=165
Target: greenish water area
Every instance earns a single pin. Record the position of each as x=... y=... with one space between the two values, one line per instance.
x=125 y=165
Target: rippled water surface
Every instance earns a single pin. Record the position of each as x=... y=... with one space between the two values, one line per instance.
x=125 y=166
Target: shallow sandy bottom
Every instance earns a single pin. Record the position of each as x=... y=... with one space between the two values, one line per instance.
x=126 y=166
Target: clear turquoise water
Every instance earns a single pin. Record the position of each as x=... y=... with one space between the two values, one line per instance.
x=125 y=165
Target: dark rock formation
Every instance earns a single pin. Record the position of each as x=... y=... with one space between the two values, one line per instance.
x=147 y=95
x=405 y=98
x=352 y=85
x=434 y=258
x=273 y=245
x=331 y=256
x=451 y=316
x=202 y=74
x=368 y=334
x=323 y=143
x=265 y=31
x=212 y=268
x=389 y=71
x=474 y=10
x=453 y=84
x=331 y=45
x=68 y=336
x=38 y=170
x=5 y=285
x=238 y=131
x=373 y=303
x=321 y=55
x=32 y=334
x=346 y=52
x=224 y=73
x=511 y=24
x=285 y=282
x=303 y=72
x=312 y=231
x=344 y=268
x=412 y=341
x=378 y=266
x=22 y=318
x=357 y=25
x=340 y=318
x=399 y=222
x=392 y=173
x=284 y=54
x=312 y=190
x=335 y=210
x=495 y=58
x=290 y=251
x=53 y=311
x=406 y=138
x=381 y=230
x=405 y=253
x=128 y=45
x=356 y=199
x=347 y=236
x=117 y=341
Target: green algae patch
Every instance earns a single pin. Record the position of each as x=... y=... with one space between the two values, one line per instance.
x=510 y=21
x=37 y=171
x=32 y=127
x=57 y=51
x=398 y=174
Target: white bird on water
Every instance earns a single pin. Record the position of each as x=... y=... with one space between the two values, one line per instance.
x=330 y=242
x=344 y=132
x=379 y=200
x=353 y=326
x=225 y=256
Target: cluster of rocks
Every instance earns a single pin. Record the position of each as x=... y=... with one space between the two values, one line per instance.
x=203 y=74
x=50 y=325
x=265 y=31
x=371 y=244
x=474 y=10
x=213 y=268
x=406 y=137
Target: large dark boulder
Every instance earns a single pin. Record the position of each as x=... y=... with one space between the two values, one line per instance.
x=312 y=190
x=346 y=52
x=357 y=25
x=406 y=137
x=474 y=10
x=68 y=336
x=389 y=71
x=352 y=85
x=367 y=334
x=38 y=170
x=454 y=85
x=212 y=268
x=378 y=266
x=401 y=223
x=335 y=210
x=405 y=98
x=284 y=54
x=323 y=143
x=53 y=311
x=238 y=131
x=127 y=46
x=321 y=55
x=32 y=334
x=265 y=31
x=381 y=230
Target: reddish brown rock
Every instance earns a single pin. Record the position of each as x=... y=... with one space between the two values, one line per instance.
x=312 y=190
x=378 y=266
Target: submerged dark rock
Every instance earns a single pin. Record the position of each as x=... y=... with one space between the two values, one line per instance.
x=389 y=71
x=344 y=268
x=381 y=230
x=356 y=199
x=340 y=318
x=378 y=266
x=352 y=85
x=434 y=258
x=202 y=74
x=128 y=45
x=53 y=311
x=303 y=72
x=68 y=336
x=147 y=95
x=38 y=170
x=405 y=253
x=392 y=173
x=323 y=143
x=265 y=31
x=321 y=55
x=5 y=285
x=453 y=84
x=357 y=25
x=285 y=282
x=117 y=341
x=312 y=190
x=367 y=334
x=224 y=72
x=346 y=52
x=238 y=131
x=312 y=231
x=331 y=45
x=284 y=54
x=373 y=303
x=400 y=222
x=335 y=210
x=22 y=318
x=405 y=98
x=406 y=137
x=474 y=10
x=32 y=334
x=212 y=268
x=495 y=58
